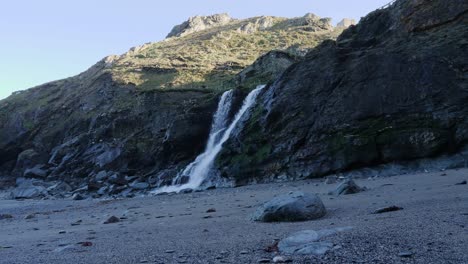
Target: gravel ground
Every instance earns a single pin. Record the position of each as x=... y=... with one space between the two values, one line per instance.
x=431 y=228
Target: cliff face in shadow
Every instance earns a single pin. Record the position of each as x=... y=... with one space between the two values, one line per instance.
x=392 y=88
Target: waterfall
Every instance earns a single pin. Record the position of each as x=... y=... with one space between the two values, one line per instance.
x=198 y=170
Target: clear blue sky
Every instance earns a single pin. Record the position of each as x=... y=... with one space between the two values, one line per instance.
x=45 y=40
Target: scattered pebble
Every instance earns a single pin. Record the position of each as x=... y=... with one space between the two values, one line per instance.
x=281 y=259
x=244 y=252
x=387 y=209
x=405 y=254
x=264 y=260
x=111 y=220
x=461 y=183
x=30 y=216
x=211 y=210
x=77 y=197
x=62 y=232
x=170 y=251
x=86 y=244
x=77 y=223
x=5 y=216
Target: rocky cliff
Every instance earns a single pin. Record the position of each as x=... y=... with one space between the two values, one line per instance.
x=392 y=88
x=138 y=118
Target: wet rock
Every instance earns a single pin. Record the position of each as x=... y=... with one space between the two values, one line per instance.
x=30 y=216
x=86 y=244
x=103 y=190
x=211 y=210
x=387 y=209
x=94 y=186
x=77 y=197
x=307 y=242
x=112 y=220
x=116 y=189
x=65 y=248
x=36 y=172
x=405 y=254
x=188 y=190
x=461 y=183
x=28 y=190
x=59 y=189
x=101 y=176
x=5 y=216
x=117 y=179
x=347 y=187
x=296 y=206
x=281 y=259
x=139 y=186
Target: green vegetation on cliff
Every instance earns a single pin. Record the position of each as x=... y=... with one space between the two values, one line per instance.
x=210 y=58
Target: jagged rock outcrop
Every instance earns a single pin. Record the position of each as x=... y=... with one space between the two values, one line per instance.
x=346 y=23
x=199 y=23
x=392 y=88
x=265 y=69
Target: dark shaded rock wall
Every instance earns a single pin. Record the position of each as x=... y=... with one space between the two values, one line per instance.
x=392 y=88
x=74 y=128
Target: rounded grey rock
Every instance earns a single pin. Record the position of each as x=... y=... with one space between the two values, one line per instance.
x=295 y=206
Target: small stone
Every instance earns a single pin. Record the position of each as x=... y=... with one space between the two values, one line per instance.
x=347 y=187
x=461 y=183
x=62 y=232
x=112 y=220
x=244 y=252
x=5 y=216
x=188 y=190
x=139 y=186
x=264 y=260
x=170 y=251
x=211 y=210
x=405 y=254
x=392 y=208
x=207 y=217
x=77 y=197
x=144 y=261
x=30 y=216
x=281 y=259
x=86 y=244
x=77 y=223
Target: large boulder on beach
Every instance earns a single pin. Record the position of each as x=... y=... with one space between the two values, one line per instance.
x=295 y=206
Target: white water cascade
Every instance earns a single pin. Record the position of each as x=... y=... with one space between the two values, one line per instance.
x=198 y=170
